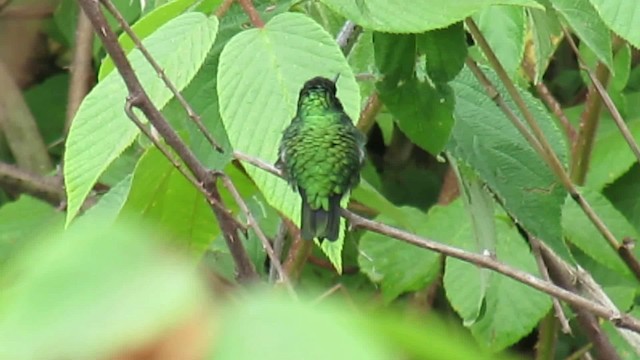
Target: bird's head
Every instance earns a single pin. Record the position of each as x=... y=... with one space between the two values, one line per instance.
x=319 y=93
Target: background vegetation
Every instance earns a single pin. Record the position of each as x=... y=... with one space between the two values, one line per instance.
x=141 y=215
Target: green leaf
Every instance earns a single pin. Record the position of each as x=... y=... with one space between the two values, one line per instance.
x=281 y=329
x=413 y=16
x=424 y=111
x=96 y=273
x=110 y=204
x=48 y=104
x=611 y=156
x=503 y=310
x=623 y=195
x=258 y=92
x=512 y=309
x=369 y=196
x=621 y=69
x=145 y=27
x=622 y=16
x=21 y=221
x=393 y=263
x=504 y=28
x=101 y=129
x=162 y=195
x=546 y=32
x=445 y=51
x=580 y=231
x=490 y=144
x=587 y=24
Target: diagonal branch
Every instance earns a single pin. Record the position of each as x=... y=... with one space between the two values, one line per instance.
x=539 y=142
x=613 y=315
x=138 y=98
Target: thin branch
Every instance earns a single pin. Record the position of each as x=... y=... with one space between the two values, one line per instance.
x=251 y=220
x=544 y=271
x=48 y=189
x=185 y=105
x=278 y=246
x=298 y=253
x=251 y=11
x=223 y=8
x=618 y=318
x=600 y=89
x=538 y=140
x=20 y=127
x=562 y=274
x=81 y=72
x=139 y=98
x=348 y=36
x=369 y=112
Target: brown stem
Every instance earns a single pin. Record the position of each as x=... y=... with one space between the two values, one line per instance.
x=185 y=105
x=299 y=252
x=139 y=98
x=223 y=8
x=537 y=140
x=613 y=315
x=251 y=11
x=589 y=324
x=20 y=128
x=81 y=73
x=369 y=113
x=46 y=188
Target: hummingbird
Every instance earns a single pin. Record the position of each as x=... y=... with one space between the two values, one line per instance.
x=321 y=153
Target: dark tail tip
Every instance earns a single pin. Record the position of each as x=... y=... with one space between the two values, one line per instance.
x=320 y=223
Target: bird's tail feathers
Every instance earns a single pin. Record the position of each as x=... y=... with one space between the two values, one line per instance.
x=320 y=223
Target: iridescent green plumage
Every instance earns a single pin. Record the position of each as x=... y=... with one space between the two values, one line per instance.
x=321 y=153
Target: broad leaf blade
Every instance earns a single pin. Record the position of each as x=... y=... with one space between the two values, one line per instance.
x=413 y=16
x=258 y=91
x=487 y=141
x=101 y=129
x=622 y=16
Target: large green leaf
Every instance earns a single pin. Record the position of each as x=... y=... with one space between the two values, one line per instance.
x=611 y=156
x=445 y=51
x=504 y=28
x=160 y=193
x=399 y=267
x=490 y=144
x=22 y=220
x=423 y=109
x=101 y=129
x=622 y=16
x=97 y=291
x=503 y=310
x=258 y=90
x=144 y=27
x=413 y=16
x=581 y=231
x=624 y=197
x=586 y=23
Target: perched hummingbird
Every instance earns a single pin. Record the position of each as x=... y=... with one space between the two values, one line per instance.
x=321 y=154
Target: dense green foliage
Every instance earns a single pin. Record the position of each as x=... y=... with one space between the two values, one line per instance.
x=118 y=266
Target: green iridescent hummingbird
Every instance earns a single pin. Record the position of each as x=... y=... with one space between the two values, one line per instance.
x=321 y=154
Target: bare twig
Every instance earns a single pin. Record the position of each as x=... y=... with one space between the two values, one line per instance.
x=369 y=113
x=139 y=98
x=538 y=140
x=81 y=72
x=20 y=128
x=251 y=11
x=278 y=245
x=348 y=36
x=542 y=267
x=618 y=318
x=46 y=188
x=185 y=105
x=223 y=8
x=600 y=89
x=561 y=274
x=253 y=224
